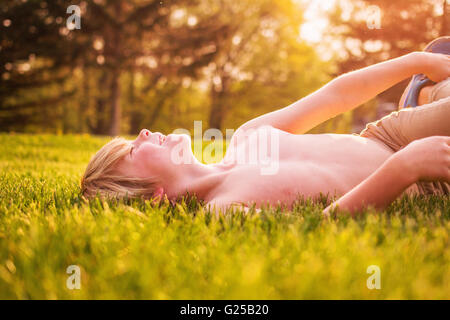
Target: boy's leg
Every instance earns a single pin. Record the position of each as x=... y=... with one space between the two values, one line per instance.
x=401 y=127
x=440 y=90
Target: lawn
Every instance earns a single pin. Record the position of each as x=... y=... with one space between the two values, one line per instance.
x=139 y=250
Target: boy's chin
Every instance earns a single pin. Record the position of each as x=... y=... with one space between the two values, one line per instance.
x=185 y=140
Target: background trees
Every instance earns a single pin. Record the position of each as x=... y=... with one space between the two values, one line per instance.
x=116 y=37
x=141 y=63
x=163 y=64
x=262 y=64
x=404 y=26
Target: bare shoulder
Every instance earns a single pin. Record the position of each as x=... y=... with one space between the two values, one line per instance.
x=241 y=136
x=249 y=128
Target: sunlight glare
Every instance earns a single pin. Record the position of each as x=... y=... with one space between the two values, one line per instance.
x=314 y=27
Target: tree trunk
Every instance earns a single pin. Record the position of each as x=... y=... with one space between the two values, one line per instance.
x=116 y=62
x=216 y=113
x=99 y=126
x=84 y=101
x=218 y=103
x=135 y=115
x=116 y=112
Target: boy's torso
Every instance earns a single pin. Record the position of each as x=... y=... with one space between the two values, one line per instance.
x=306 y=165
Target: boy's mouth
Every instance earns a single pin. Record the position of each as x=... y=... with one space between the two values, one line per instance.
x=162 y=139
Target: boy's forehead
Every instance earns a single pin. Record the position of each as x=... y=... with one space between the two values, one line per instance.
x=128 y=165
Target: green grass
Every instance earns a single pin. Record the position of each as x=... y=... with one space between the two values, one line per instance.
x=138 y=250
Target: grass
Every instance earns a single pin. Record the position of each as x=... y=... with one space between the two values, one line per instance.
x=138 y=250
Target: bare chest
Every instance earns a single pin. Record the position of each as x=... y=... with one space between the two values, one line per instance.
x=276 y=166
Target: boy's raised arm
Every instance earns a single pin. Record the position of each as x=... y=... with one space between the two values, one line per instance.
x=352 y=89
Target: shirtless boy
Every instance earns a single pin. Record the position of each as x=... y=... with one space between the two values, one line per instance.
x=405 y=152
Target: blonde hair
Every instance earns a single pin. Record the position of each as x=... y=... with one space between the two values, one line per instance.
x=102 y=179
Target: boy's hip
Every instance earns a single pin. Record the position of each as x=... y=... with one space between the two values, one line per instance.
x=399 y=128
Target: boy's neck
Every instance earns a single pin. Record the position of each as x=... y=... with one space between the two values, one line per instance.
x=200 y=180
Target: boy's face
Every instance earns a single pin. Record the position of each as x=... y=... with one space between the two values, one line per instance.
x=156 y=155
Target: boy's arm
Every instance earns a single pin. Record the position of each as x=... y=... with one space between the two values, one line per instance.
x=378 y=190
x=424 y=159
x=350 y=90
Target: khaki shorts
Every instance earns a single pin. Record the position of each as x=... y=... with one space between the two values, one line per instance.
x=399 y=128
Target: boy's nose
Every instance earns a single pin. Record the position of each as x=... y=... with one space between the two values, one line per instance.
x=144 y=133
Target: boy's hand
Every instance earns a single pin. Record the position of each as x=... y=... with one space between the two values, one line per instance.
x=426 y=159
x=435 y=66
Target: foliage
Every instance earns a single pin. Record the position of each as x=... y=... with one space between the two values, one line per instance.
x=135 y=249
x=404 y=26
x=148 y=63
x=116 y=36
x=265 y=65
x=362 y=40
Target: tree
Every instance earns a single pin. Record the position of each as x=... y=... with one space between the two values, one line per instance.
x=262 y=64
x=405 y=26
x=116 y=36
x=28 y=62
x=144 y=63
